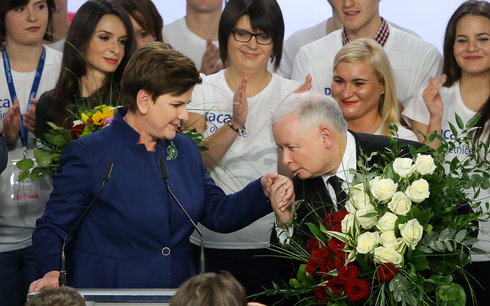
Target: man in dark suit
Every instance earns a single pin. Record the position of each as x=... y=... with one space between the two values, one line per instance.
x=316 y=146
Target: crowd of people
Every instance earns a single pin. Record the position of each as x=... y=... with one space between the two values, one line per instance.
x=278 y=117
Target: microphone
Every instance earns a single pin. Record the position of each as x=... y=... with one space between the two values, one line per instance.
x=105 y=179
x=164 y=174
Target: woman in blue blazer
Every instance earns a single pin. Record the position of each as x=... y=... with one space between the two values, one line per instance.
x=135 y=235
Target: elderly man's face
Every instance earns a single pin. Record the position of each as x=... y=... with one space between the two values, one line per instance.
x=306 y=152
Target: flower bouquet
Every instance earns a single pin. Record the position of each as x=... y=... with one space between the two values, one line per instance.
x=48 y=150
x=403 y=236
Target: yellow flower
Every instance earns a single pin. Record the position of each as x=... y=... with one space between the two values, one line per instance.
x=99 y=116
x=85 y=118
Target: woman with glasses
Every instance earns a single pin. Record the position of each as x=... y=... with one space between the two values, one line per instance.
x=233 y=108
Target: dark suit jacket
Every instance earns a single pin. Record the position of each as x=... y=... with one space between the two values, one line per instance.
x=122 y=240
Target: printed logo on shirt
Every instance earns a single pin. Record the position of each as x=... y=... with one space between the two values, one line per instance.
x=461 y=149
x=215 y=120
x=5 y=104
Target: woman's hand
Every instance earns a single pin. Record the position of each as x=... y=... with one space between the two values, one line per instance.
x=11 y=124
x=240 y=105
x=305 y=86
x=280 y=190
x=50 y=279
x=432 y=98
x=210 y=60
x=30 y=117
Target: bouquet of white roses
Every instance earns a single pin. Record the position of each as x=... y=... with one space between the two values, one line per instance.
x=403 y=237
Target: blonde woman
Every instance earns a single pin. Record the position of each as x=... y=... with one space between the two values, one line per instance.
x=364 y=88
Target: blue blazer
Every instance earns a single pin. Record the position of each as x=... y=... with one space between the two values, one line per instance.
x=135 y=235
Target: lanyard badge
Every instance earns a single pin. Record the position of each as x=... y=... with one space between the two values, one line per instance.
x=13 y=93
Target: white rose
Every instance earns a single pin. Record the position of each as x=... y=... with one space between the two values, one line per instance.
x=424 y=164
x=383 y=189
x=366 y=242
x=383 y=254
x=367 y=221
x=348 y=223
x=358 y=200
x=389 y=240
x=403 y=166
x=400 y=204
x=418 y=191
x=411 y=232
x=387 y=222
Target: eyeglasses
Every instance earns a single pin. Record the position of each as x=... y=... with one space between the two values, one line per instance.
x=244 y=36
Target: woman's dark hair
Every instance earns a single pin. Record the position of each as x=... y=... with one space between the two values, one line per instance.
x=146 y=15
x=210 y=289
x=484 y=114
x=157 y=69
x=74 y=64
x=8 y=5
x=451 y=67
x=265 y=15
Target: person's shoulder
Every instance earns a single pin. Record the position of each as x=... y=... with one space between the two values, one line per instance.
x=325 y=45
x=53 y=54
x=376 y=142
x=406 y=42
x=307 y=35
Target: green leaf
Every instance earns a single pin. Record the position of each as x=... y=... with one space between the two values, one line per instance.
x=460 y=235
x=418 y=259
x=25 y=164
x=24 y=175
x=459 y=121
x=472 y=121
x=43 y=158
x=453 y=294
x=60 y=139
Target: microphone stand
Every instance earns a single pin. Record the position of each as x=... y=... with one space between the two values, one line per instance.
x=163 y=172
x=107 y=175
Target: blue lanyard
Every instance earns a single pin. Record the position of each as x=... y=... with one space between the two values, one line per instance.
x=13 y=94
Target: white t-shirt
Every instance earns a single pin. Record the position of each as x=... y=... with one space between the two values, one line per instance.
x=453 y=104
x=181 y=38
x=297 y=40
x=18 y=216
x=303 y=37
x=249 y=157
x=412 y=59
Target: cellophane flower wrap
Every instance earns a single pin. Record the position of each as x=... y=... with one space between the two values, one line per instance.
x=50 y=147
x=403 y=236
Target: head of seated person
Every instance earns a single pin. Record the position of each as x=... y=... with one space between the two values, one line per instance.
x=210 y=289
x=59 y=296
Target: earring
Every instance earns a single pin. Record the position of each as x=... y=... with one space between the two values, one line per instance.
x=382 y=92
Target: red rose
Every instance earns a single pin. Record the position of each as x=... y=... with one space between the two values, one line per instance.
x=386 y=271
x=312 y=244
x=335 y=244
x=76 y=131
x=357 y=289
x=335 y=285
x=340 y=215
x=347 y=273
x=321 y=294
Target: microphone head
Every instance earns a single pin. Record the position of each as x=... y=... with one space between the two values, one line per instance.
x=163 y=168
x=108 y=171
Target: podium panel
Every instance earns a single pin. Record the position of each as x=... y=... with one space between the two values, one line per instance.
x=125 y=297
x=110 y=297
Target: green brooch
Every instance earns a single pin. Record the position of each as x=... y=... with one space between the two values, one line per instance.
x=172 y=152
